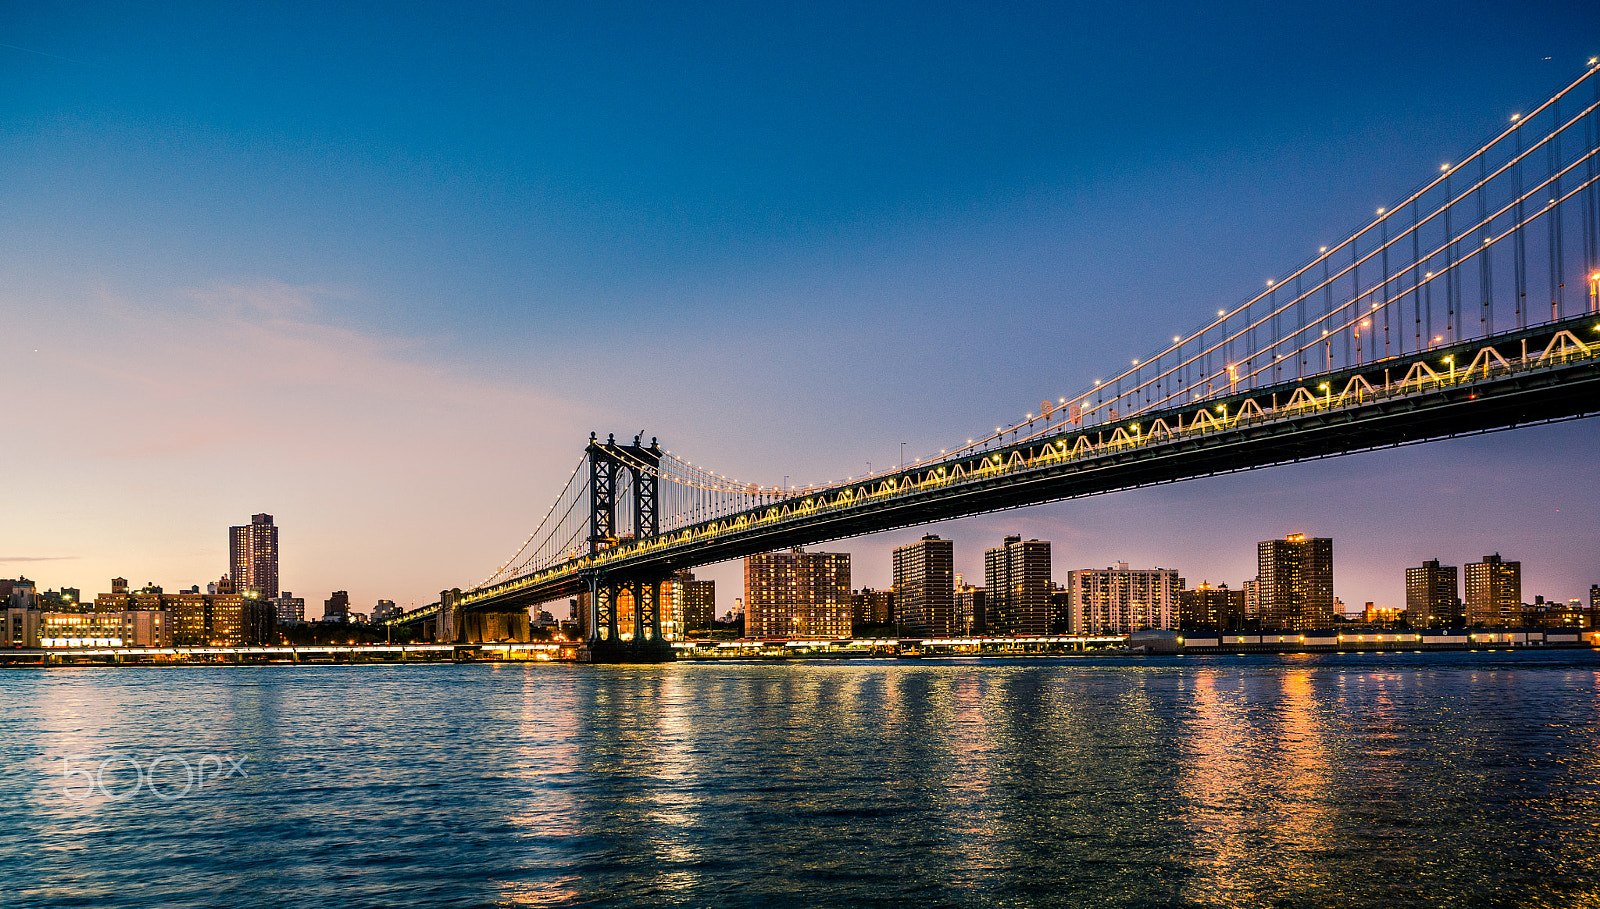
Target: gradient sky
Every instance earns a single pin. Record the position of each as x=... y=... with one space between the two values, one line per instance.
x=380 y=273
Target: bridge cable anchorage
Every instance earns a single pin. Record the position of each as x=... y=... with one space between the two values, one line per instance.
x=1381 y=312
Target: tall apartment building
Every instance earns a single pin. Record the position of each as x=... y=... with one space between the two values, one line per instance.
x=1296 y=582
x=696 y=601
x=1211 y=608
x=797 y=594
x=924 y=587
x=1016 y=580
x=253 y=557
x=1120 y=600
x=1493 y=592
x=1432 y=599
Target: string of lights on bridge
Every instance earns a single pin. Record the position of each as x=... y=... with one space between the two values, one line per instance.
x=1423 y=247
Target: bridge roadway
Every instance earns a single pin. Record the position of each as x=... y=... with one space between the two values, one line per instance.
x=1541 y=374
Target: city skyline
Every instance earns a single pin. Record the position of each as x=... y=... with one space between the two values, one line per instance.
x=422 y=273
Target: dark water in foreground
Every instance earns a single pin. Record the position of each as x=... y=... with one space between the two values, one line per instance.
x=1378 y=780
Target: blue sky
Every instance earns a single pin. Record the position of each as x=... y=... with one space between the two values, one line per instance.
x=380 y=272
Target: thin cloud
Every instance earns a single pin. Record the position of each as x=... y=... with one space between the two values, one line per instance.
x=5 y=559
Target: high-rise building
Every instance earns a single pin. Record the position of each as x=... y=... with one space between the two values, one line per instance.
x=1211 y=608
x=1493 y=592
x=1120 y=600
x=1060 y=609
x=797 y=594
x=924 y=587
x=1432 y=600
x=1016 y=578
x=1252 y=602
x=696 y=601
x=1296 y=582
x=253 y=556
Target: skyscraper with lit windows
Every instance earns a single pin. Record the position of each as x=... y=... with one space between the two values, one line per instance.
x=253 y=557
x=1016 y=580
x=925 y=587
x=1295 y=575
x=1493 y=592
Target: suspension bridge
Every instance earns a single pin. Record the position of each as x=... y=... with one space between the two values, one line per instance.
x=1471 y=305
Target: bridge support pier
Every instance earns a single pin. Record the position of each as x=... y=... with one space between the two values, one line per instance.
x=624 y=622
x=616 y=635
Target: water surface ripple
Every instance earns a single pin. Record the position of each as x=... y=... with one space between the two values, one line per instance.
x=1299 y=781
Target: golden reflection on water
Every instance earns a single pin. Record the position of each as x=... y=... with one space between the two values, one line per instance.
x=1257 y=787
x=547 y=730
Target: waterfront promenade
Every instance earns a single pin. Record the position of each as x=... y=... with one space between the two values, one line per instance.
x=1145 y=643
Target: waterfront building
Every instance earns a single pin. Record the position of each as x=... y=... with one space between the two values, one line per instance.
x=1555 y=614
x=19 y=627
x=696 y=601
x=1211 y=608
x=131 y=628
x=1296 y=582
x=253 y=556
x=1493 y=592
x=190 y=623
x=225 y=619
x=1122 y=600
x=336 y=608
x=1060 y=609
x=971 y=610
x=797 y=594
x=290 y=608
x=1432 y=600
x=924 y=587
x=1016 y=578
x=1382 y=615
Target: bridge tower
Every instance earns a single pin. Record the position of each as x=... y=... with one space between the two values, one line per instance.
x=620 y=475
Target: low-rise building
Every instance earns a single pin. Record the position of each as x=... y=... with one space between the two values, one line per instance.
x=129 y=628
x=20 y=627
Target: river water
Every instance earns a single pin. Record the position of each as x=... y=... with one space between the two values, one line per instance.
x=1467 y=779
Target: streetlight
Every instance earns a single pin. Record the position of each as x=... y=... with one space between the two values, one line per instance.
x=1451 y=362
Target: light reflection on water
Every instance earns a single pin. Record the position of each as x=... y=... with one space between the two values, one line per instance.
x=1425 y=780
